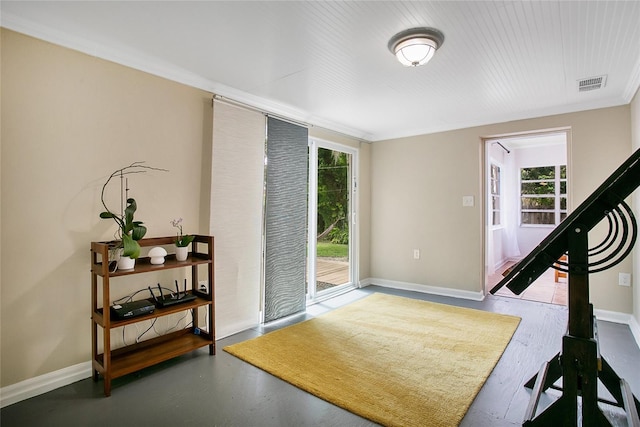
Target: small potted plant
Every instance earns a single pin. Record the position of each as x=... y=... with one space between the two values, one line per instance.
x=129 y=231
x=182 y=241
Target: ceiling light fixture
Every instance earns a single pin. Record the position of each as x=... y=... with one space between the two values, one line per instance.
x=416 y=46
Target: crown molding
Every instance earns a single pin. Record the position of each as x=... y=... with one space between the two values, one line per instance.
x=633 y=85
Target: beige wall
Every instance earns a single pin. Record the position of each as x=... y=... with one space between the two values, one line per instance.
x=418 y=184
x=417 y=188
x=68 y=121
x=635 y=134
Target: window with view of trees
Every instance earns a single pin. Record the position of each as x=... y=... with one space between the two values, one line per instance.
x=333 y=196
x=495 y=195
x=543 y=195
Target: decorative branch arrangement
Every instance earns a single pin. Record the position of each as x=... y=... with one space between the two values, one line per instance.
x=129 y=231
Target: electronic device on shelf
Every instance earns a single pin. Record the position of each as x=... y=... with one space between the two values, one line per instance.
x=132 y=309
x=171 y=299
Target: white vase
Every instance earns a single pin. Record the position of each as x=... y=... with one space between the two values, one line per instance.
x=182 y=252
x=126 y=263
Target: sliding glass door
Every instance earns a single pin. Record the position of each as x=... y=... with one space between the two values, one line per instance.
x=331 y=219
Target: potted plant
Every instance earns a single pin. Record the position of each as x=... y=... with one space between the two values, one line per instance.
x=129 y=231
x=182 y=241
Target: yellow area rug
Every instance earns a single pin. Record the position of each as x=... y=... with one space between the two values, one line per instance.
x=396 y=361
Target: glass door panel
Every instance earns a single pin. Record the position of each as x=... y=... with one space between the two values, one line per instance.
x=330 y=220
x=333 y=219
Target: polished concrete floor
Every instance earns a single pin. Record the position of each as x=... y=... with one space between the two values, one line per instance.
x=221 y=390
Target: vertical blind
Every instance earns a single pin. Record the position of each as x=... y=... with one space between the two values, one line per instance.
x=285 y=219
x=237 y=195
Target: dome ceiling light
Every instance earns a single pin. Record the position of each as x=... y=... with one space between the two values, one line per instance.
x=416 y=46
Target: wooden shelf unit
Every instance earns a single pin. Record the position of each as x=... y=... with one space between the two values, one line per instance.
x=125 y=360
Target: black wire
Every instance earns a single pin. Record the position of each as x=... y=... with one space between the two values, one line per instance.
x=129 y=298
x=147 y=330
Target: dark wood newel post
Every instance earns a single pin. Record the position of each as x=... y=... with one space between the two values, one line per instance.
x=580 y=364
x=580 y=321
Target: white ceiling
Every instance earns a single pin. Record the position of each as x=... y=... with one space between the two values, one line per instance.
x=327 y=64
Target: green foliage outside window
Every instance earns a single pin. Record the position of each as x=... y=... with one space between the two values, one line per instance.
x=538 y=173
x=543 y=193
x=538 y=203
x=538 y=188
x=333 y=196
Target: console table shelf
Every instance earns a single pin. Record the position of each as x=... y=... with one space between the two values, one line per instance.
x=114 y=363
x=159 y=311
x=144 y=265
x=132 y=358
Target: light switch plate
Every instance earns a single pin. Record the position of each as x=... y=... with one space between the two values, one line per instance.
x=467 y=201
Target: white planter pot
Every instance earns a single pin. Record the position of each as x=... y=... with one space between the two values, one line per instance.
x=126 y=263
x=182 y=252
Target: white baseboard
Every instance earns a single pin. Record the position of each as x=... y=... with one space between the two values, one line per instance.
x=612 y=316
x=32 y=387
x=435 y=290
x=635 y=329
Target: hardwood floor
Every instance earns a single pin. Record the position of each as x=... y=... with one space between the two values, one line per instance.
x=221 y=390
x=544 y=289
x=333 y=272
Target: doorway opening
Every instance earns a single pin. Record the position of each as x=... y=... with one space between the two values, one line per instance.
x=526 y=198
x=331 y=252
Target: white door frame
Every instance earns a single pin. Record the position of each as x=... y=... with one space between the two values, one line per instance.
x=486 y=190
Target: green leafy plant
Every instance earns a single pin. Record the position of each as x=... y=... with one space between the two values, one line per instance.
x=181 y=240
x=129 y=231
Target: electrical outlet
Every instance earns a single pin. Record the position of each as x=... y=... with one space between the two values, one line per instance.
x=203 y=286
x=624 y=279
x=468 y=201
x=416 y=254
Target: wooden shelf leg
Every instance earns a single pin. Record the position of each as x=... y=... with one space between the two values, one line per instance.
x=107 y=386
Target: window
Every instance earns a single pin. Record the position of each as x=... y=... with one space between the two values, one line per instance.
x=543 y=195
x=495 y=195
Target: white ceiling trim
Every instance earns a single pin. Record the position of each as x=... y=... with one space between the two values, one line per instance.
x=548 y=111
x=634 y=84
x=142 y=62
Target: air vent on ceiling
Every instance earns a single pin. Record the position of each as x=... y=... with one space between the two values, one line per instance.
x=592 y=83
